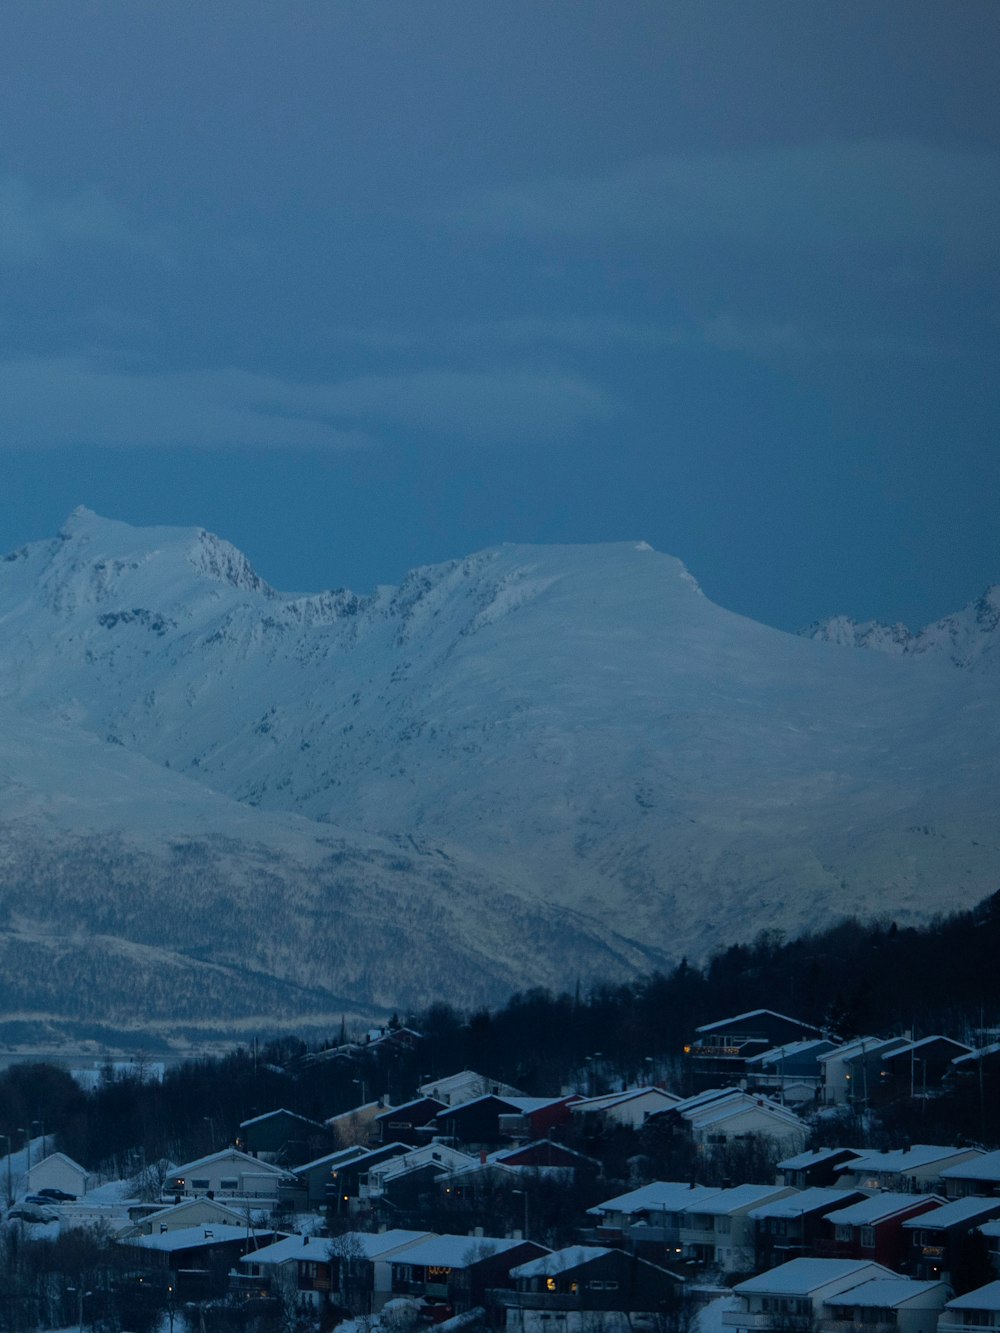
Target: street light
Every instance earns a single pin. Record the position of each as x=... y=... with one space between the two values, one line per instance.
x=10 y=1188
x=81 y=1295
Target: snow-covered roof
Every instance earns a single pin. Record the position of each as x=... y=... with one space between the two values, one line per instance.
x=912 y=1046
x=904 y=1159
x=984 y=1167
x=732 y=1200
x=805 y=1201
x=884 y=1293
x=281 y=1110
x=726 y=1023
x=777 y=1054
x=659 y=1196
x=978 y=1054
x=289 y=1249
x=860 y=1046
x=877 y=1208
x=726 y=1110
x=188 y=1238
x=228 y=1155
x=339 y=1158
x=457 y=1251
x=983 y=1298
x=955 y=1213
x=800 y=1276
x=560 y=1261
x=610 y=1099
x=804 y=1160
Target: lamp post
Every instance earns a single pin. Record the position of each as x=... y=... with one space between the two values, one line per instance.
x=10 y=1187
x=80 y=1297
x=41 y=1126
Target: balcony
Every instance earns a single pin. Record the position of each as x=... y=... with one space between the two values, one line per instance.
x=949 y=1324
x=771 y=1320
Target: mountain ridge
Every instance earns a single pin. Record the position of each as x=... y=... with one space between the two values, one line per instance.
x=569 y=753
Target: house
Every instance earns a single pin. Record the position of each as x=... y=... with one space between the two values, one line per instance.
x=792 y=1226
x=407 y=1123
x=189 y=1213
x=281 y=1136
x=978 y=1175
x=299 y=1269
x=57 y=1171
x=632 y=1107
x=547 y=1152
x=305 y=1186
x=915 y=1169
x=938 y=1238
x=873 y=1228
x=792 y=1073
x=917 y=1068
x=649 y=1219
x=229 y=1174
x=890 y=1304
x=851 y=1071
x=719 y=1051
x=718 y=1232
x=973 y=1312
x=358 y=1126
x=459 y=1270
x=483 y=1122
x=466 y=1087
x=818 y=1167
x=586 y=1288
x=440 y=1156
x=721 y=1116
x=196 y=1260
x=343 y=1186
x=792 y=1296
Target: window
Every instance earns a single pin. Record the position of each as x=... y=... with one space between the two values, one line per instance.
x=229 y=1183
x=845 y=1233
x=202 y=1184
x=868 y=1238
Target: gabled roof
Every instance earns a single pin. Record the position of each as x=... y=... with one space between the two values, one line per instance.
x=732 y=1200
x=911 y=1047
x=802 y=1276
x=408 y=1106
x=457 y=1251
x=660 y=1196
x=884 y=1293
x=611 y=1099
x=60 y=1157
x=805 y=1201
x=956 y=1213
x=878 y=1208
x=228 y=1155
x=269 y=1115
x=561 y=1261
x=983 y=1298
x=331 y=1159
x=804 y=1160
x=754 y=1013
x=189 y=1238
x=777 y=1054
x=984 y=1167
x=850 y=1050
x=905 y=1159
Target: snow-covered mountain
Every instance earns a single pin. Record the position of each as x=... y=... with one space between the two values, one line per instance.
x=225 y=805
x=969 y=638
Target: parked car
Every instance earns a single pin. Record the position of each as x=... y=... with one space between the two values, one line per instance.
x=28 y=1214
x=57 y=1196
x=38 y=1200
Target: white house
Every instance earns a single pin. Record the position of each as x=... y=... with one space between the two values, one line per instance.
x=57 y=1171
x=893 y=1304
x=973 y=1312
x=466 y=1087
x=792 y=1295
x=229 y=1174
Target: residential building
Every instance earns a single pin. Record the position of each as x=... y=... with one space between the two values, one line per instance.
x=229 y=1174
x=791 y=1297
x=972 y=1313
x=937 y=1239
x=587 y=1289
x=885 y=1305
x=873 y=1228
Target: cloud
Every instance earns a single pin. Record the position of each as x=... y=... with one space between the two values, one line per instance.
x=73 y=400
x=35 y=226
x=897 y=194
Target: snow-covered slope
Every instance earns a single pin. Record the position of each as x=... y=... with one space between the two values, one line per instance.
x=530 y=765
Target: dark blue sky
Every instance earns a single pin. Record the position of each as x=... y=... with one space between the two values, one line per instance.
x=363 y=286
